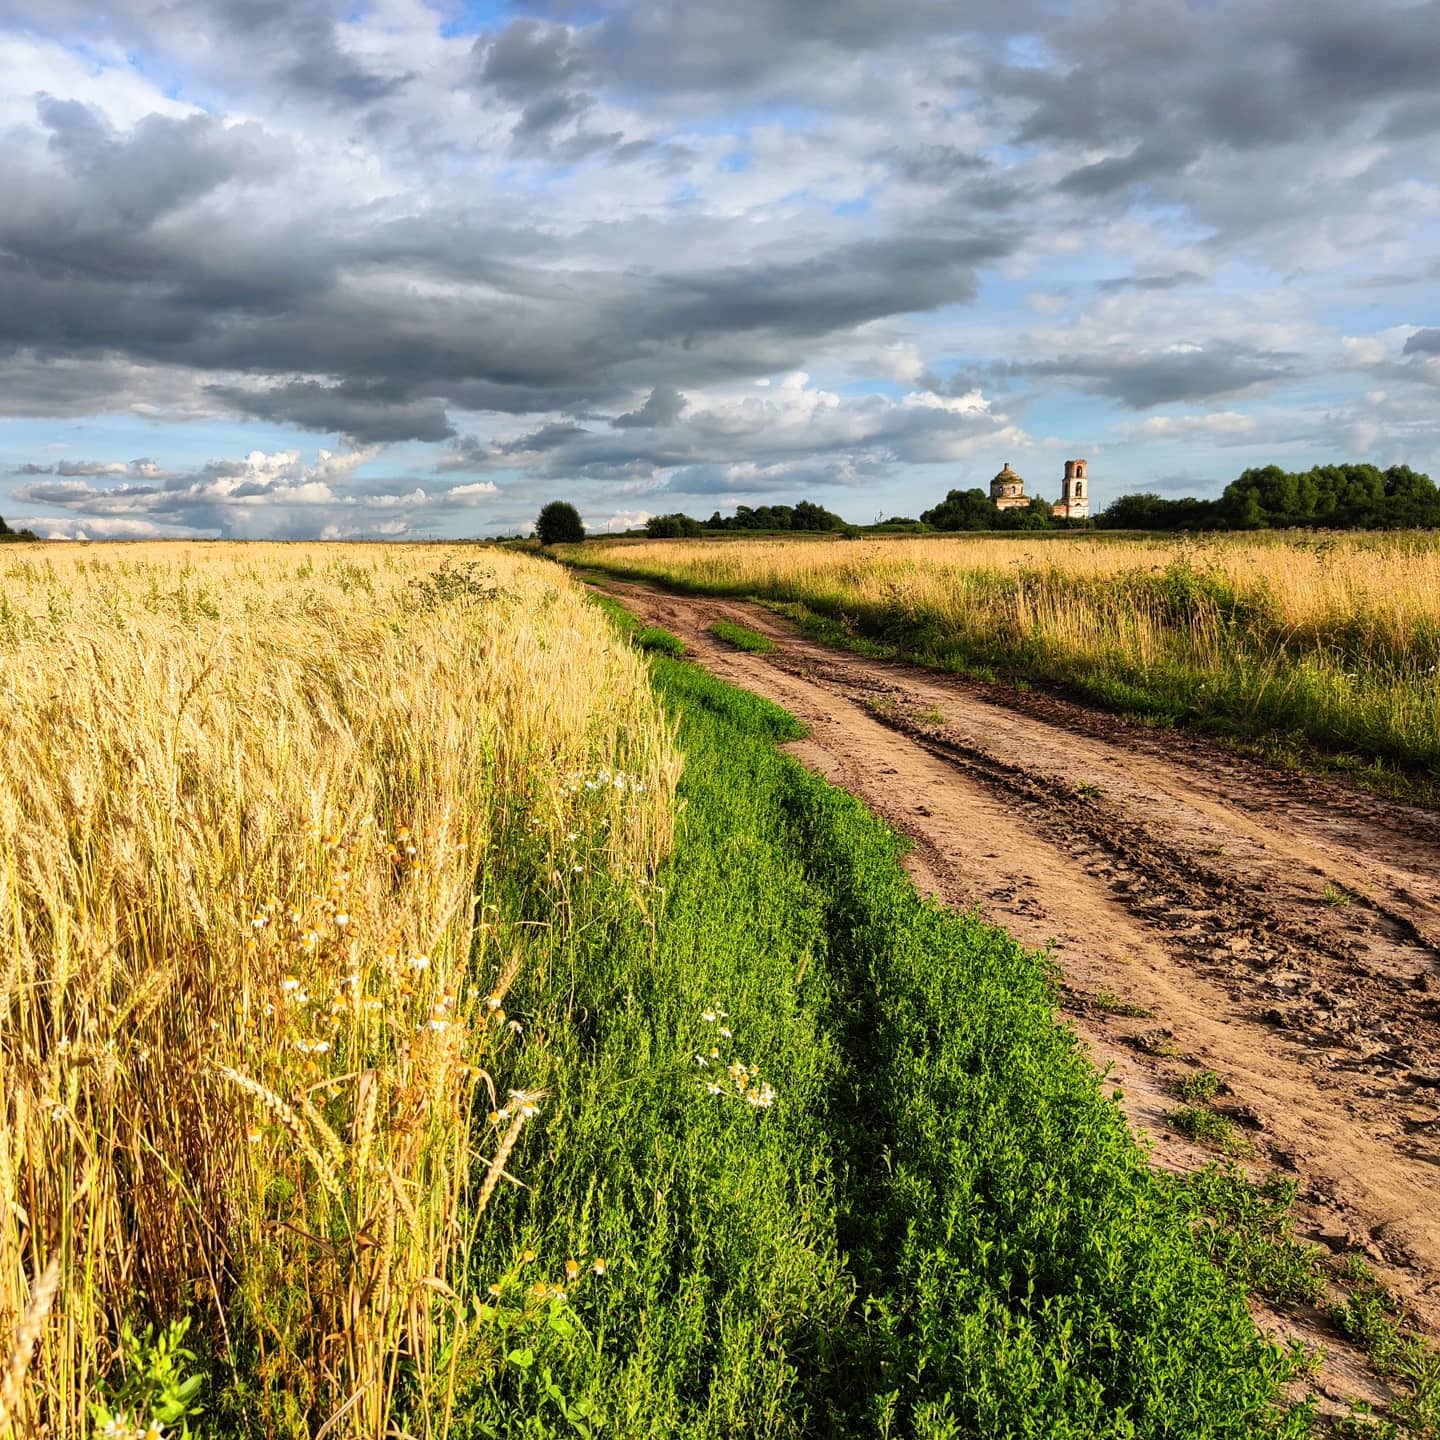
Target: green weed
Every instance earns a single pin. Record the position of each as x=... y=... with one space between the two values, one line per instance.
x=1207 y=1128
x=1107 y=1002
x=1199 y=1087
x=660 y=641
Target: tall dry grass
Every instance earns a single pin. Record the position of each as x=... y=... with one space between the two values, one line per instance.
x=1335 y=638
x=264 y=815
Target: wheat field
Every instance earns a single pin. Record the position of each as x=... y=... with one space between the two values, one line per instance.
x=279 y=826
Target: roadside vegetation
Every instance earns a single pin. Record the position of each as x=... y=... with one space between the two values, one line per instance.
x=1321 y=647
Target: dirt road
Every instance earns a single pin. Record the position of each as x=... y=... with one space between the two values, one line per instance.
x=1206 y=911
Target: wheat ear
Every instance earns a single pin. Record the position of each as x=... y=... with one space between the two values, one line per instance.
x=42 y=1297
x=292 y=1123
x=497 y=1166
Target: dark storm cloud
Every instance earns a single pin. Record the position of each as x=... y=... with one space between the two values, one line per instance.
x=170 y=283
x=663 y=406
x=753 y=47
x=932 y=164
x=368 y=414
x=1423 y=342
x=538 y=67
x=159 y=167
x=1183 y=374
x=1177 y=76
x=1144 y=163
x=547 y=437
x=527 y=58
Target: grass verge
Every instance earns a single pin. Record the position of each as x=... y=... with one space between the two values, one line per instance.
x=843 y=1171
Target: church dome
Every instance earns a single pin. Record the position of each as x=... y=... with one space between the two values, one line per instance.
x=1007 y=475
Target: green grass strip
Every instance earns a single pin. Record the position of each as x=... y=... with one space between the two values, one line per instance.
x=741 y=638
x=940 y=1227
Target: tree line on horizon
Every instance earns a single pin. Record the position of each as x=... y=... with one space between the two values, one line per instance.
x=1337 y=497
x=6 y=533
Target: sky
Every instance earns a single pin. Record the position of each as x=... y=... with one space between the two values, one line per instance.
x=388 y=268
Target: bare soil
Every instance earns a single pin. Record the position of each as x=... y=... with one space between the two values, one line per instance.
x=1205 y=909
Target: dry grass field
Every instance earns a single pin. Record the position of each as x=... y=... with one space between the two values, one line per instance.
x=258 y=818
x=1331 y=640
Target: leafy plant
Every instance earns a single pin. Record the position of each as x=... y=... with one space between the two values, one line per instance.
x=1208 y=1128
x=1199 y=1087
x=156 y=1386
x=1112 y=1005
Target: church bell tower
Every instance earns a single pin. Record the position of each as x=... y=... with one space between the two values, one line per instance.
x=1074 y=491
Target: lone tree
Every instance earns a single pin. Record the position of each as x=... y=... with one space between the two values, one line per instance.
x=559 y=523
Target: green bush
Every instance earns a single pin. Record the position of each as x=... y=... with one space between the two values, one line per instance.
x=559 y=523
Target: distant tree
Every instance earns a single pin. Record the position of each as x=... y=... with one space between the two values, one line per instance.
x=1148 y=511
x=559 y=523
x=7 y=534
x=1033 y=516
x=673 y=527
x=809 y=516
x=1411 y=499
x=963 y=510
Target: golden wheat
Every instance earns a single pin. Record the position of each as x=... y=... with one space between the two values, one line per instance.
x=262 y=809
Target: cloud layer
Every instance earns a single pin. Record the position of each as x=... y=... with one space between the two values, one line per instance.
x=466 y=263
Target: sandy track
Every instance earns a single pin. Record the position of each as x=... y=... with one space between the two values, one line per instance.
x=1173 y=877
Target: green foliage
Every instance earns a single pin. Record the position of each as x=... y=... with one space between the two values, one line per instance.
x=805 y=516
x=938 y=1224
x=466 y=583
x=1112 y=1005
x=155 y=1386
x=1338 y=497
x=673 y=527
x=1247 y=1230
x=7 y=534
x=661 y=641
x=1205 y=1127
x=1199 y=1088
x=963 y=510
x=1374 y=1319
x=741 y=638
x=559 y=523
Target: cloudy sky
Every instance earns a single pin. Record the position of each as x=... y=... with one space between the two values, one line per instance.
x=305 y=267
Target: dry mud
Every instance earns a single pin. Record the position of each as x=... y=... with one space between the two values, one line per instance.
x=1183 y=884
